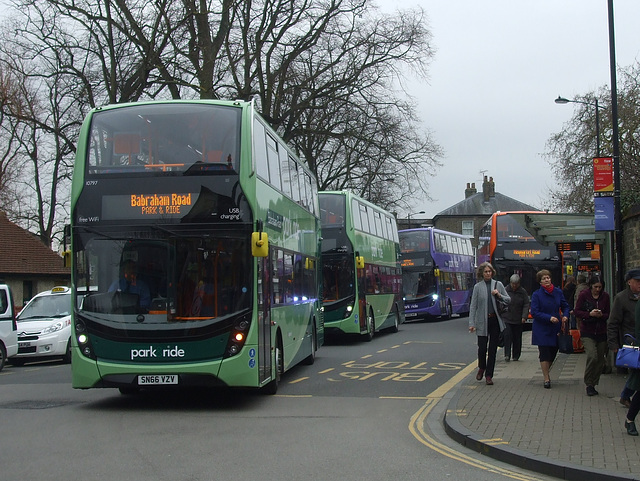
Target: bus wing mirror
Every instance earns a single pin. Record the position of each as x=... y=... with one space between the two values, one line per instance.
x=359 y=262
x=259 y=244
x=436 y=272
x=308 y=264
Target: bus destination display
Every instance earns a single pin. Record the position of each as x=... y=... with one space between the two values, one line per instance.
x=141 y=206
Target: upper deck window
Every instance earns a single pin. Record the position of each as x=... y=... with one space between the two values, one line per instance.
x=332 y=210
x=165 y=138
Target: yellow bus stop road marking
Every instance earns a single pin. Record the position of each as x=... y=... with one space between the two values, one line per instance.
x=416 y=427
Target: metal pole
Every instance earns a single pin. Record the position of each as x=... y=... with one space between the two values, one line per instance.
x=597 y=129
x=619 y=253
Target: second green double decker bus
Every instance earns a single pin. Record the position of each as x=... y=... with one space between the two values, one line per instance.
x=195 y=239
x=361 y=271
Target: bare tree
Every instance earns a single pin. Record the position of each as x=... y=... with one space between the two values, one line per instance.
x=570 y=152
x=327 y=74
x=9 y=141
x=44 y=118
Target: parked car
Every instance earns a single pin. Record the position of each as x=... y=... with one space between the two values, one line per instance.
x=8 y=327
x=44 y=327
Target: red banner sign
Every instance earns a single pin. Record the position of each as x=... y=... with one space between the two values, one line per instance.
x=603 y=174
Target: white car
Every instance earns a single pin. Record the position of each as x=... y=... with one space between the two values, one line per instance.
x=44 y=327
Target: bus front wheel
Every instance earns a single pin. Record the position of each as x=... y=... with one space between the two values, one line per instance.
x=311 y=358
x=396 y=321
x=371 y=327
x=272 y=387
x=449 y=310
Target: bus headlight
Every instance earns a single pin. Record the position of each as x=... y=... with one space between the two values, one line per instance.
x=349 y=308
x=238 y=335
x=434 y=297
x=84 y=343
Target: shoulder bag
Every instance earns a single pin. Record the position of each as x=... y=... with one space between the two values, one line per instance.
x=628 y=355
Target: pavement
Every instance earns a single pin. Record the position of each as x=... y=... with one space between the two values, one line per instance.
x=559 y=432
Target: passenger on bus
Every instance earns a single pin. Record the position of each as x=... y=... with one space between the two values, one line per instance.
x=129 y=283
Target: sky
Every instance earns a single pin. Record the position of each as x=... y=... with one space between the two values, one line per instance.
x=498 y=67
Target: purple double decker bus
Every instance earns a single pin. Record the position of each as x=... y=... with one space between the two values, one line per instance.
x=438 y=269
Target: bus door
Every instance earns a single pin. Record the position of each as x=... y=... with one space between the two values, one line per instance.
x=264 y=316
x=362 y=298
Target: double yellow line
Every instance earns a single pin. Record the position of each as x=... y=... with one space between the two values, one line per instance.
x=417 y=423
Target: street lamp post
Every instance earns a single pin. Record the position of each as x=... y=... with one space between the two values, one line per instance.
x=619 y=267
x=562 y=100
x=409 y=217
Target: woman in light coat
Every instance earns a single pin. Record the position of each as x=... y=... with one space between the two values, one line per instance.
x=485 y=320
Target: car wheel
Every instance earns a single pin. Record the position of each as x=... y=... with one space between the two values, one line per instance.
x=67 y=355
x=3 y=356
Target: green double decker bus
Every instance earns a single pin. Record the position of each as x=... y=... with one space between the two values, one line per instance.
x=195 y=249
x=361 y=270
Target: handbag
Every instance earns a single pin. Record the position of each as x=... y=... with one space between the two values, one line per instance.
x=565 y=342
x=628 y=356
x=577 y=341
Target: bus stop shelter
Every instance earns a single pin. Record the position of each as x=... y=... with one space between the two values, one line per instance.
x=567 y=230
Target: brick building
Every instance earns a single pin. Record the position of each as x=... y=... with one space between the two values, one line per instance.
x=467 y=216
x=28 y=266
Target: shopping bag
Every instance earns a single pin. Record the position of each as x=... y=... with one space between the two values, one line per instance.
x=565 y=343
x=629 y=357
x=577 y=342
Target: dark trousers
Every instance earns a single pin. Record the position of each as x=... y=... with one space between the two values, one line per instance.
x=488 y=346
x=635 y=407
x=513 y=337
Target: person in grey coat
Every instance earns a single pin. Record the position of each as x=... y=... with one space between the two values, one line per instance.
x=515 y=318
x=487 y=299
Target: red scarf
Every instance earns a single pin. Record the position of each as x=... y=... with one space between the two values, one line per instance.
x=548 y=288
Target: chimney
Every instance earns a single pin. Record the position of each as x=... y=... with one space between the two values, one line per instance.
x=486 y=189
x=492 y=187
x=470 y=190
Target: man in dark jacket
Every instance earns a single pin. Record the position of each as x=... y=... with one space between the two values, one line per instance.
x=622 y=320
x=514 y=318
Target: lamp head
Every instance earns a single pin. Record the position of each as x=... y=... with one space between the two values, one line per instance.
x=562 y=100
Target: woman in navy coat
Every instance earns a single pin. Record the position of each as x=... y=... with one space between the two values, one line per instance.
x=548 y=309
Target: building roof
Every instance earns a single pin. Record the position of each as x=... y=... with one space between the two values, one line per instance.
x=476 y=205
x=25 y=254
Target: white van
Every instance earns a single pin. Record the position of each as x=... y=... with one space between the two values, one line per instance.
x=44 y=326
x=8 y=327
